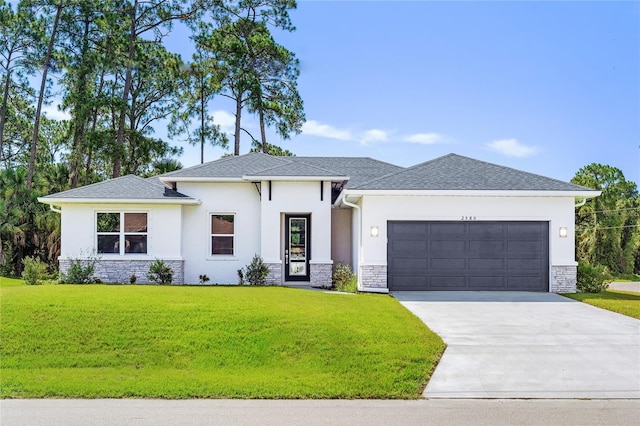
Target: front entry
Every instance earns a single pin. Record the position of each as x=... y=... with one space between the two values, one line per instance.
x=297 y=249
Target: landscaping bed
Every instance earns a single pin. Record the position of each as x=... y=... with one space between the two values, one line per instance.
x=119 y=341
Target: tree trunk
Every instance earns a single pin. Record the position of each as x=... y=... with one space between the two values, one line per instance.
x=43 y=85
x=202 y=117
x=263 y=134
x=117 y=158
x=236 y=147
x=3 y=109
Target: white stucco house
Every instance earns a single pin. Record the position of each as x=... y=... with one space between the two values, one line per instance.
x=452 y=223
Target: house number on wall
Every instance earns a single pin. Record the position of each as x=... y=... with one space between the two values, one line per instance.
x=468 y=218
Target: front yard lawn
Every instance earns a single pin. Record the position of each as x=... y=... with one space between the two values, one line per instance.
x=613 y=300
x=107 y=341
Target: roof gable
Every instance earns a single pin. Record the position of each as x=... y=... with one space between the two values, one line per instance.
x=454 y=172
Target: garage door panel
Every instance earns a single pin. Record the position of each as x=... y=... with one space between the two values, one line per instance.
x=448 y=263
x=487 y=264
x=448 y=282
x=468 y=256
x=492 y=282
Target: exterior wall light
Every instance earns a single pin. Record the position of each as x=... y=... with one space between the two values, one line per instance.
x=563 y=232
x=375 y=231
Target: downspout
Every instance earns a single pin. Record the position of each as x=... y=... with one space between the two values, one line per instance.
x=357 y=207
x=53 y=209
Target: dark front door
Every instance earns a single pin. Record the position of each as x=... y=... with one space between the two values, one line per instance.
x=455 y=256
x=297 y=251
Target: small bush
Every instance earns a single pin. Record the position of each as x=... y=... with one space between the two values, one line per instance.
x=240 y=277
x=34 y=271
x=256 y=272
x=160 y=273
x=80 y=272
x=133 y=279
x=344 y=279
x=203 y=278
x=592 y=278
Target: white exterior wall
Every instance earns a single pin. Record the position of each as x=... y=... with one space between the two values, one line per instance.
x=78 y=230
x=242 y=200
x=377 y=210
x=291 y=198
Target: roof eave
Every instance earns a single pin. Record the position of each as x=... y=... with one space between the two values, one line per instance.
x=176 y=200
x=475 y=193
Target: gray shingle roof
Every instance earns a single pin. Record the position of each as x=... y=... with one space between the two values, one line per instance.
x=122 y=188
x=455 y=172
x=358 y=169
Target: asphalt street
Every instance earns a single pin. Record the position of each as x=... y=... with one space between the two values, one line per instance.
x=101 y=412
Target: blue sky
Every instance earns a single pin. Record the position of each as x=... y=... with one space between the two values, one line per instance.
x=547 y=87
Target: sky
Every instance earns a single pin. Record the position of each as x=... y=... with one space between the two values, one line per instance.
x=545 y=86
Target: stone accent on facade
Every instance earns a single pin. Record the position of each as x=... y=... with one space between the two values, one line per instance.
x=120 y=271
x=275 y=273
x=373 y=276
x=563 y=279
x=321 y=274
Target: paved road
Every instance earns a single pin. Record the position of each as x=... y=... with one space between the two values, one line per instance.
x=626 y=286
x=310 y=413
x=528 y=345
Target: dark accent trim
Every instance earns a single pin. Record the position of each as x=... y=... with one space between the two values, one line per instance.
x=257 y=185
x=269 y=190
x=321 y=190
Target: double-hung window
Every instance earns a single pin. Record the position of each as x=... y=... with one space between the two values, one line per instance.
x=121 y=232
x=222 y=234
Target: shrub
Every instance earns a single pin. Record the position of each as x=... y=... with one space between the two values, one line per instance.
x=592 y=278
x=344 y=279
x=80 y=272
x=256 y=272
x=240 y=277
x=34 y=271
x=160 y=272
x=203 y=278
x=133 y=279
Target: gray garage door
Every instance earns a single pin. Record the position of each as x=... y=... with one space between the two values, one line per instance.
x=455 y=256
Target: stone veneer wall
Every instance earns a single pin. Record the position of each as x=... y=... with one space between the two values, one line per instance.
x=275 y=274
x=374 y=276
x=120 y=271
x=321 y=274
x=563 y=279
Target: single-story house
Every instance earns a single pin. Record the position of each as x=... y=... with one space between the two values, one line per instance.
x=452 y=223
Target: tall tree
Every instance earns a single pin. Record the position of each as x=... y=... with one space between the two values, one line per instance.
x=607 y=231
x=200 y=84
x=56 y=11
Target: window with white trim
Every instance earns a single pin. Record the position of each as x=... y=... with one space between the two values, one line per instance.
x=222 y=234
x=121 y=232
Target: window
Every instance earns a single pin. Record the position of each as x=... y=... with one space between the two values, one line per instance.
x=116 y=239
x=222 y=234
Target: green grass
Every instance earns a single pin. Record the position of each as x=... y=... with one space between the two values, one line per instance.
x=622 y=302
x=100 y=341
x=627 y=277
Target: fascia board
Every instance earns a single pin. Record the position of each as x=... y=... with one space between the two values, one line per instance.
x=59 y=201
x=475 y=193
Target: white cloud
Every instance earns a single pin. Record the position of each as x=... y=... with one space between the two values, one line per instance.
x=225 y=120
x=53 y=113
x=424 y=138
x=512 y=148
x=312 y=127
x=374 y=135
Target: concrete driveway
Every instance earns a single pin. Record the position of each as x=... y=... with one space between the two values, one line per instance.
x=528 y=345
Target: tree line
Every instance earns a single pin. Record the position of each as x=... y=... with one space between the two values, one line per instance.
x=107 y=63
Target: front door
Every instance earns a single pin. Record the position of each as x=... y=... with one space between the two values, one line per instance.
x=297 y=249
